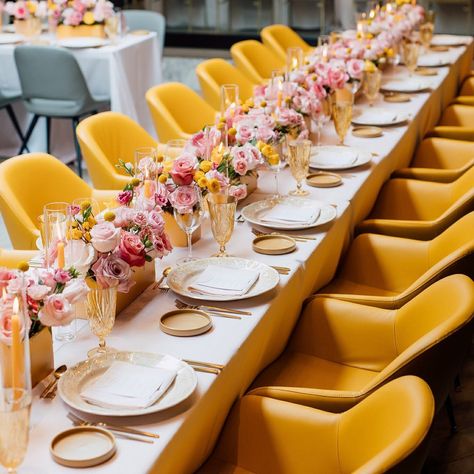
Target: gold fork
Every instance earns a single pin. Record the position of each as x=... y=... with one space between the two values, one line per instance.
x=298 y=238
x=217 y=308
x=182 y=305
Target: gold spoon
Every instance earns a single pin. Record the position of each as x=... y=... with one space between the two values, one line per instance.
x=166 y=272
x=57 y=375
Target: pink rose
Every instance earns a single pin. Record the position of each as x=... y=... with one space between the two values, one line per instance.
x=125 y=197
x=61 y=276
x=111 y=271
x=74 y=210
x=265 y=134
x=6 y=323
x=156 y=221
x=140 y=218
x=355 y=67
x=76 y=290
x=245 y=133
x=80 y=256
x=183 y=169
x=239 y=192
x=15 y=285
x=183 y=198
x=105 y=237
x=131 y=250
x=38 y=292
x=57 y=311
x=337 y=78
x=5 y=276
x=222 y=178
x=161 y=195
x=162 y=245
x=47 y=278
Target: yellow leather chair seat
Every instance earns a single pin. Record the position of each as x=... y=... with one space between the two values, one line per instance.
x=468 y=86
x=27 y=183
x=377 y=263
x=12 y=258
x=419 y=209
x=464 y=100
x=214 y=73
x=440 y=160
x=177 y=111
x=340 y=352
x=281 y=37
x=456 y=123
x=255 y=60
x=387 y=431
x=105 y=139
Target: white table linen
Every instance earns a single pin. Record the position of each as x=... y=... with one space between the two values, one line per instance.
x=188 y=432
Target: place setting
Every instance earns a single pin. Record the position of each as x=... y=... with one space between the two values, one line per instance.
x=379 y=117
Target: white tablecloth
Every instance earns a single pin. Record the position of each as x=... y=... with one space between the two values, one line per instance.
x=188 y=432
x=121 y=72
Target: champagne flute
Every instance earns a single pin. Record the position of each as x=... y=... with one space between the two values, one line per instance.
x=189 y=219
x=371 y=85
x=342 y=116
x=411 y=51
x=222 y=214
x=298 y=159
x=426 y=35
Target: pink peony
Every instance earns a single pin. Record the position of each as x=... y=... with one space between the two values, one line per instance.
x=105 y=237
x=111 y=271
x=57 y=311
x=183 y=169
x=183 y=198
x=131 y=250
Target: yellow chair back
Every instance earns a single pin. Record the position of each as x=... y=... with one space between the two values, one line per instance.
x=27 y=183
x=464 y=185
x=281 y=37
x=255 y=60
x=105 y=139
x=214 y=73
x=12 y=258
x=177 y=111
x=467 y=87
x=458 y=115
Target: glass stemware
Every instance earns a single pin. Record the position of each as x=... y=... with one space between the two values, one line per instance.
x=342 y=117
x=299 y=152
x=222 y=214
x=371 y=85
x=229 y=98
x=411 y=51
x=323 y=47
x=426 y=35
x=276 y=165
x=55 y=220
x=294 y=60
x=322 y=117
x=112 y=26
x=101 y=307
x=189 y=220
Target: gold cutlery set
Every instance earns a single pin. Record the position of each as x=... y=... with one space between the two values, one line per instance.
x=298 y=238
x=214 y=310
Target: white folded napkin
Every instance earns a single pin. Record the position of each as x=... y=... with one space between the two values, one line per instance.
x=337 y=156
x=287 y=214
x=217 y=280
x=126 y=385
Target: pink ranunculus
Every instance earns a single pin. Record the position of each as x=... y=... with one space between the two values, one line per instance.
x=57 y=311
x=183 y=198
x=111 y=271
x=355 y=67
x=183 y=169
x=75 y=290
x=239 y=192
x=131 y=250
x=125 y=197
x=62 y=276
x=244 y=133
x=161 y=195
x=105 y=237
x=38 y=292
x=156 y=221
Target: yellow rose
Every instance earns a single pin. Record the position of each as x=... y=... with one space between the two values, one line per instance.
x=76 y=234
x=214 y=186
x=267 y=150
x=205 y=166
x=198 y=175
x=88 y=18
x=86 y=226
x=202 y=182
x=274 y=159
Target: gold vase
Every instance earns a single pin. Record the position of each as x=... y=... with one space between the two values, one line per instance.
x=67 y=31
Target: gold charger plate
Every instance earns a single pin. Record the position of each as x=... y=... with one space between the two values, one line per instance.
x=439 y=49
x=397 y=97
x=83 y=446
x=425 y=71
x=323 y=179
x=185 y=322
x=367 y=132
x=274 y=244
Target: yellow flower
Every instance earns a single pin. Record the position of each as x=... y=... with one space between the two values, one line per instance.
x=214 y=186
x=267 y=150
x=76 y=234
x=263 y=103
x=274 y=159
x=87 y=236
x=91 y=221
x=88 y=18
x=198 y=175
x=31 y=7
x=86 y=226
x=245 y=109
x=135 y=182
x=217 y=154
x=260 y=145
x=163 y=178
x=74 y=224
x=23 y=266
x=369 y=66
x=160 y=158
x=205 y=166
x=249 y=103
x=109 y=216
x=390 y=53
x=220 y=126
x=85 y=205
x=202 y=182
x=232 y=131
x=288 y=100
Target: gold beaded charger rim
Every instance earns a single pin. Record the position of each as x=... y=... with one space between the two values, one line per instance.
x=367 y=132
x=323 y=179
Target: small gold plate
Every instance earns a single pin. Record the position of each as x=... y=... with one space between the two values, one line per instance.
x=83 y=446
x=397 y=97
x=439 y=49
x=323 y=179
x=274 y=244
x=185 y=322
x=424 y=71
x=367 y=132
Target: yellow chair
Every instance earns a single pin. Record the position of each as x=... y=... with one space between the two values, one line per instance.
x=12 y=258
x=27 y=183
x=419 y=209
x=177 y=111
x=214 y=73
x=440 y=160
x=281 y=37
x=106 y=138
x=255 y=60
x=457 y=123
x=341 y=352
x=386 y=432
x=385 y=271
x=467 y=87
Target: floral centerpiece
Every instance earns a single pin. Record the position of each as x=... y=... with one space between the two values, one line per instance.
x=27 y=16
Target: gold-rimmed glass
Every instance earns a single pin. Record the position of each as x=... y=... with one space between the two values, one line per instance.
x=342 y=117
x=229 y=98
x=299 y=152
x=371 y=85
x=222 y=214
x=101 y=307
x=426 y=34
x=411 y=51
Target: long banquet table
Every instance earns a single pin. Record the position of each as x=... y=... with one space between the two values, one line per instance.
x=189 y=431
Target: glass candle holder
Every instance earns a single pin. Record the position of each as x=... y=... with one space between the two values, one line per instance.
x=229 y=99
x=146 y=169
x=294 y=60
x=55 y=223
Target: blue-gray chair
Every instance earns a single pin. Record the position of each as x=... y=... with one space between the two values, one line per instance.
x=147 y=20
x=6 y=102
x=53 y=86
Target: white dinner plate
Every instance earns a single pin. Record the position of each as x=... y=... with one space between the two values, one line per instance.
x=337 y=157
x=254 y=212
x=182 y=277
x=82 y=42
x=6 y=38
x=407 y=84
x=78 y=377
x=378 y=117
x=448 y=40
x=433 y=60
